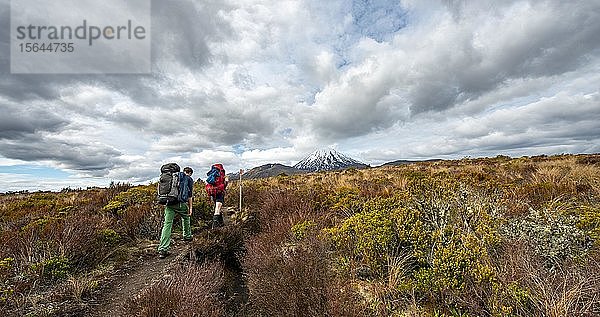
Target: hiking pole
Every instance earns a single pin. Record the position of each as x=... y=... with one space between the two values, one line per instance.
x=241 y=172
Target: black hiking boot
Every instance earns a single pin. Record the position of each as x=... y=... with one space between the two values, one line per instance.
x=163 y=254
x=187 y=239
x=217 y=221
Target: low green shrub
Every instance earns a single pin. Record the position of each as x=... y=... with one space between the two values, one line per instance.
x=589 y=222
x=108 y=237
x=54 y=268
x=133 y=196
x=444 y=234
x=302 y=229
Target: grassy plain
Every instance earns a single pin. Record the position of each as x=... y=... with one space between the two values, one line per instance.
x=473 y=237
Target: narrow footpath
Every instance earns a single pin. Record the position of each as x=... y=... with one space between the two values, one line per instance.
x=147 y=269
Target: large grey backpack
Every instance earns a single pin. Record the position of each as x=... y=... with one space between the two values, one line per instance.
x=168 y=184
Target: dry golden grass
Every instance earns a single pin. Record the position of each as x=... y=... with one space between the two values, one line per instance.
x=476 y=200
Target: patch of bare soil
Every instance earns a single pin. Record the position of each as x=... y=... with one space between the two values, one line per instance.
x=139 y=275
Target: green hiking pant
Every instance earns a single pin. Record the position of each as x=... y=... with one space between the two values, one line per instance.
x=165 y=236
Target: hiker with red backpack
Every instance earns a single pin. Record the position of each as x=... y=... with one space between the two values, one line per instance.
x=175 y=192
x=216 y=183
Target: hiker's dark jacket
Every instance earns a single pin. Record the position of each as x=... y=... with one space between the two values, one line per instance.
x=185 y=188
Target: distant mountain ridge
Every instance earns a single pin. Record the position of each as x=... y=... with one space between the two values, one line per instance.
x=404 y=162
x=321 y=160
x=267 y=170
x=328 y=160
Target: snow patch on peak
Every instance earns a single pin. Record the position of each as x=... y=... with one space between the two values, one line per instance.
x=326 y=160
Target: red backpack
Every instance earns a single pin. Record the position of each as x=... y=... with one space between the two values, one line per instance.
x=215 y=183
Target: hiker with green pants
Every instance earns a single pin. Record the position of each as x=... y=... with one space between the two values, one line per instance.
x=183 y=207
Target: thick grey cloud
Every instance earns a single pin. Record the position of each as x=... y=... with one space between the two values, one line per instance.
x=161 y=104
x=534 y=39
x=18 y=121
x=180 y=29
x=18 y=87
x=36 y=133
x=93 y=159
x=475 y=50
x=563 y=123
x=561 y=115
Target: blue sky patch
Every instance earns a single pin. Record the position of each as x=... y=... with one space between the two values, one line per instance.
x=35 y=171
x=378 y=19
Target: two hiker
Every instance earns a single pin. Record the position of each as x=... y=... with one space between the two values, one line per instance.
x=175 y=191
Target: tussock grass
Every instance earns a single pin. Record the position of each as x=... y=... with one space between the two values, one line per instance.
x=473 y=237
x=188 y=291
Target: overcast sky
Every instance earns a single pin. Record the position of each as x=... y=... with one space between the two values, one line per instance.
x=249 y=82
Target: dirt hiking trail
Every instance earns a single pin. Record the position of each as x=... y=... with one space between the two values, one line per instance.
x=146 y=269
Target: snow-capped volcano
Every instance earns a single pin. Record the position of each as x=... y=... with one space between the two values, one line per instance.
x=326 y=160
